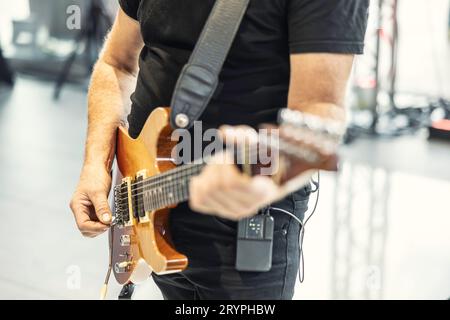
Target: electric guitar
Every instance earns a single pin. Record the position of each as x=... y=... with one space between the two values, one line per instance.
x=148 y=184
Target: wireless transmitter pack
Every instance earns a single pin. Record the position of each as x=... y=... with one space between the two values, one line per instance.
x=254 y=243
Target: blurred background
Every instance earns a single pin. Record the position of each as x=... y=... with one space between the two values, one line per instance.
x=381 y=230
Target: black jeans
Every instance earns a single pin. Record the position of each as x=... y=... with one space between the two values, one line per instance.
x=210 y=244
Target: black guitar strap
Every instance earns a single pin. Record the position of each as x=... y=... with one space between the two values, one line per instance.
x=200 y=77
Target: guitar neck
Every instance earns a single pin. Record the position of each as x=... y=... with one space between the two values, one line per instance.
x=169 y=188
x=164 y=190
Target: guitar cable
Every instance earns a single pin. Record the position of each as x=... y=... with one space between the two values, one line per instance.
x=104 y=290
x=302 y=225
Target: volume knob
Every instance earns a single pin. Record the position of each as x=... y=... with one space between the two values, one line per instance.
x=125 y=240
x=122 y=267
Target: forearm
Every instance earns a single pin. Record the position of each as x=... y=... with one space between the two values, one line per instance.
x=319 y=84
x=108 y=104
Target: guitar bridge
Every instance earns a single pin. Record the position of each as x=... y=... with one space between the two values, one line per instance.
x=124 y=210
x=120 y=204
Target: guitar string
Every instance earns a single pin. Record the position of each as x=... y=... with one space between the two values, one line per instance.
x=162 y=185
x=150 y=184
x=164 y=177
x=159 y=198
x=156 y=187
x=168 y=174
x=161 y=179
x=171 y=182
x=168 y=180
x=162 y=200
x=253 y=152
x=157 y=179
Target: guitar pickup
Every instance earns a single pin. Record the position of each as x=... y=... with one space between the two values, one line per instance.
x=139 y=201
x=129 y=219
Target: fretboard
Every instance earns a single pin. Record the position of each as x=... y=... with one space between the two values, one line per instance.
x=164 y=190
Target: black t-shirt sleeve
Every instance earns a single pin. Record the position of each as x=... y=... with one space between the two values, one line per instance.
x=335 y=26
x=130 y=7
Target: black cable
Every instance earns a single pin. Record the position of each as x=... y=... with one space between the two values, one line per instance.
x=301 y=272
x=302 y=226
x=317 y=190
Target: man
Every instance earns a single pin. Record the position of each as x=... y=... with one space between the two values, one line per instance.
x=288 y=53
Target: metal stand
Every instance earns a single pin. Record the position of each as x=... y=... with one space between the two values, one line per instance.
x=360 y=230
x=6 y=75
x=89 y=38
x=379 y=65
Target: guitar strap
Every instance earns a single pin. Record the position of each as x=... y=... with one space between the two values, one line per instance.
x=199 y=78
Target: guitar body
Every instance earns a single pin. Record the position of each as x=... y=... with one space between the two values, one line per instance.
x=147 y=179
x=149 y=242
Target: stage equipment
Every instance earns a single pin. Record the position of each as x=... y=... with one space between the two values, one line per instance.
x=374 y=81
x=88 y=40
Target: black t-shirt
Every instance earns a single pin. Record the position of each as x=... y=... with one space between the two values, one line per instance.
x=255 y=78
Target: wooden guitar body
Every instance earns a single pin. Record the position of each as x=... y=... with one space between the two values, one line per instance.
x=146 y=156
x=149 y=184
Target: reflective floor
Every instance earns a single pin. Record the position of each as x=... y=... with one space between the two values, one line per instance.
x=402 y=252
x=390 y=241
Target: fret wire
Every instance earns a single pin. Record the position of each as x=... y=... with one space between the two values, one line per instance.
x=181 y=187
x=176 y=193
x=153 y=194
x=162 y=204
x=156 y=194
x=159 y=193
x=157 y=197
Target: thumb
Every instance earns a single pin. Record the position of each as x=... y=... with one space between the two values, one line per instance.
x=102 y=210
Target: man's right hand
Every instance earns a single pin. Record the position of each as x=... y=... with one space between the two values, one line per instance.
x=90 y=201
